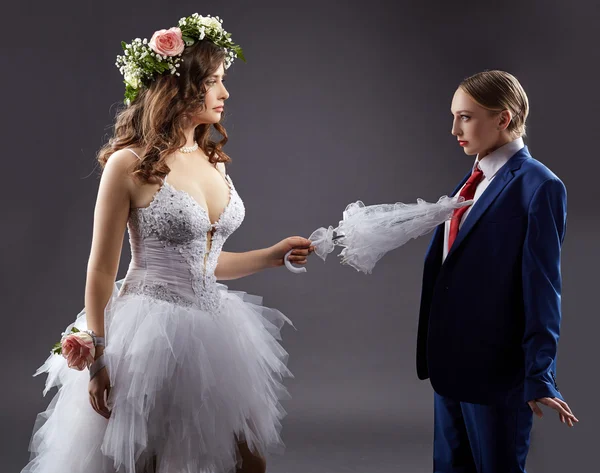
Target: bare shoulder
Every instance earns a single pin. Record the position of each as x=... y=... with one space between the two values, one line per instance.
x=117 y=179
x=119 y=165
x=122 y=159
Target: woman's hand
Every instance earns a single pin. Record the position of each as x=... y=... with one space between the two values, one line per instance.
x=301 y=249
x=99 y=389
x=564 y=411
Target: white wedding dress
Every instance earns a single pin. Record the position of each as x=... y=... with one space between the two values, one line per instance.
x=192 y=365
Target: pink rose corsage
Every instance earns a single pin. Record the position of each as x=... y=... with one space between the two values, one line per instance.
x=78 y=348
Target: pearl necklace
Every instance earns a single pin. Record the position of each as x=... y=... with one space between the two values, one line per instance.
x=189 y=149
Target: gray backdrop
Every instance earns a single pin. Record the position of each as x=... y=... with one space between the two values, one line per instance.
x=339 y=101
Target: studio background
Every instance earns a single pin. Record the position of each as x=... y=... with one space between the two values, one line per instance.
x=339 y=101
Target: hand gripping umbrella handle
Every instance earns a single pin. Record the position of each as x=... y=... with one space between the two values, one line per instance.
x=290 y=266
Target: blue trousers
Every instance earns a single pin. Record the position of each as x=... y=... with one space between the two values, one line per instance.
x=476 y=438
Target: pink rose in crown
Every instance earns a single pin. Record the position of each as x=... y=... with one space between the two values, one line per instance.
x=167 y=42
x=78 y=348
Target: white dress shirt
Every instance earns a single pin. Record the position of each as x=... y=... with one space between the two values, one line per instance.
x=490 y=165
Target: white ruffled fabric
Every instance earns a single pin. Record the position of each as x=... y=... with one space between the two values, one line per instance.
x=367 y=233
x=182 y=381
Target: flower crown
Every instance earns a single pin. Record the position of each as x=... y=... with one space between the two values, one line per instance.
x=144 y=60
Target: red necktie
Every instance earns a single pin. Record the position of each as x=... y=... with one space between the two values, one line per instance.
x=468 y=192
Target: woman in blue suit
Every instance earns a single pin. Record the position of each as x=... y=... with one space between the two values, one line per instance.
x=490 y=304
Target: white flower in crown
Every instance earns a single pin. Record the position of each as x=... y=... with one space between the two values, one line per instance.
x=212 y=23
x=132 y=77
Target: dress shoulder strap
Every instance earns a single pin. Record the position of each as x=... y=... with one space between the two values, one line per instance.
x=137 y=155
x=163 y=179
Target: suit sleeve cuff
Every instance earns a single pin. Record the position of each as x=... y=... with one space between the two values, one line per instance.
x=536 y=389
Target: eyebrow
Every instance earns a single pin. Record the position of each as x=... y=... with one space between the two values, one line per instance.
x=217 y=75
x=460 y=111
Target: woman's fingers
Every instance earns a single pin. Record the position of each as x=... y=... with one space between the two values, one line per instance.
x=564 y=411
x=299 y=242
x=93 y=403
x=303 y=251
x=101 y=402
x=551 y=403
x=97 y=391
x=536 y=409
x=294 y=259
x=108 y=403
x=567 y=408
x=564 y=405
x=97 y=406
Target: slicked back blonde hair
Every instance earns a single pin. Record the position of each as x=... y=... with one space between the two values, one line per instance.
x=497 y=91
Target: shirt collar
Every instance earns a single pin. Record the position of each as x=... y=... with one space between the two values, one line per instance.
x=491 y=163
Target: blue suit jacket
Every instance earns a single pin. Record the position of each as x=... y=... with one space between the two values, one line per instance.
x=490 y=314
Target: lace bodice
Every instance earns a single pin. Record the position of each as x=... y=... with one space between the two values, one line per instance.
x=173 y=256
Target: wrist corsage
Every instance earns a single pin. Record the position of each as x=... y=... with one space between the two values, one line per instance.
x=78 y=348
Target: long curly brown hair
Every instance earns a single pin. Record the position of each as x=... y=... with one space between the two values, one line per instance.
x=155 y=120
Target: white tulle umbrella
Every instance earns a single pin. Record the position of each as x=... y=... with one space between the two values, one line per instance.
x=368 y=232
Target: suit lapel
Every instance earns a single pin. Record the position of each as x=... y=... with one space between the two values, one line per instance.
x=462 y=183
x=438 y=236
x=505 y=174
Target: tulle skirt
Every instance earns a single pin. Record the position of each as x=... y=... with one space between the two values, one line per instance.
x=187 y=385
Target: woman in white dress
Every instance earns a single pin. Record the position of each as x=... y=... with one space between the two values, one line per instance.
x=189 y=379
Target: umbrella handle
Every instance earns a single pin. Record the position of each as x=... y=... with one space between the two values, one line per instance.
x=290 y=266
